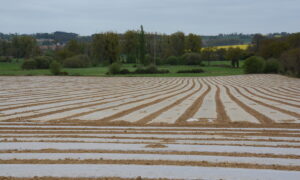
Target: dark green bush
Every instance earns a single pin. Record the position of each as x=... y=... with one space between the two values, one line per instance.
x=114 y=68
x=55 y=68
x=202 y=64
x=191 y=71
x=29 y=64
x=148 y=59
x=151 y=69
x=272 y=66
x=192 y=59
x=291 y=62
x=131 y=58
x=6 y=59
x=78 y=61
x=43 y=62
x=254 y=65
x=163 y=71
x=39 y=62
x=64 y=73
x=158 y=61
x=75 y=74
x=222 y=65
x=105 y=63
x=139 y=70
x=172 y=60
x=124 y=71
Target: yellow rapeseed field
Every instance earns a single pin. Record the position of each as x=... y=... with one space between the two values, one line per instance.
x=241 y=46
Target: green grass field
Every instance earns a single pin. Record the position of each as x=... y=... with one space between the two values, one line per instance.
x=14 y=69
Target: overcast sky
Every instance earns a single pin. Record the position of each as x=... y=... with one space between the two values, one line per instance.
x=205 y=17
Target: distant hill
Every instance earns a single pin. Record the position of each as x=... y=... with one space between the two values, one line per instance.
x=208 y=41
x=234 y=39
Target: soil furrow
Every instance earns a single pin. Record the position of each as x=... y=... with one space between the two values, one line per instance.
x=118 y=115
x=154 y=162
x=297 y=115
x=190 y=112
x=150 y=117
x=261 y=117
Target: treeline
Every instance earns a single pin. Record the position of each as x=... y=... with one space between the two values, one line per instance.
x=105 y=48
x=57 y=37
x=208 y=41
x=19 y=47
x=227 y=39
x=234 y=39
x=281 y=52
x=133 y=46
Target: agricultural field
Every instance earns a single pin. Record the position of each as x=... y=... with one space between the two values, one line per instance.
x=227 y=127
x=241 y=46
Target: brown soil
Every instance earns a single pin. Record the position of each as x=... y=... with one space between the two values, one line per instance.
x=153 y=162
x=234 y=154
x=156 y=146
x=229 y=138
x=272 y=134
x=129 y=129
x=194 y=124
x=222 y=117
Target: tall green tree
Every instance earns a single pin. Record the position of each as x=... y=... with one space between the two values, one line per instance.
x=75 y=47
x=220 y=54
x=291 y=61
x=97 y=48
x=166 y=48
x=177 y=43
x=294 y=40
x=105 y=47
x=272 y=48
x=153 y=48
x=193 y=43
x=130 y=45
x=111 y=50
x=5 y=48
x=234 y=55
x=207 y=55
x=24 y=47
x=142 y=44
x=256 y=41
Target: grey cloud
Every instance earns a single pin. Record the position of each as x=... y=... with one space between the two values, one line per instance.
x=166 y=16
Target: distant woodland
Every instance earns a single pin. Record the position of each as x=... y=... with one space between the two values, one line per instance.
x=278 y=50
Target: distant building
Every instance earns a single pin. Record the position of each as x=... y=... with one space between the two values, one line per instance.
x=49 y=44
